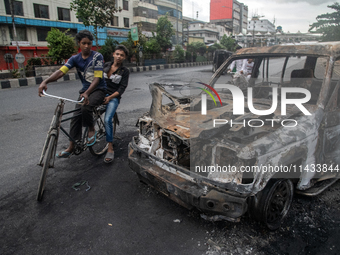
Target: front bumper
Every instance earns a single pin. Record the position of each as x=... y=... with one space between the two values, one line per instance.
x=185 y=189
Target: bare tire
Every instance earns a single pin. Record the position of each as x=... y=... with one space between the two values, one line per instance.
x=46 y=164
x=271 y=205
x=100 y=147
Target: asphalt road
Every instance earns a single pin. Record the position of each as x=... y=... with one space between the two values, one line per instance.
x=120 y=215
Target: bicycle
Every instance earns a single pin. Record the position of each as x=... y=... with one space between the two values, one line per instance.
x=49 y=150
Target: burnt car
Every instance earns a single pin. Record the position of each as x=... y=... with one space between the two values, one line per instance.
x=219 y=57
x=247 y=148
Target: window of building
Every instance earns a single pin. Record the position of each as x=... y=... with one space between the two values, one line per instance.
x=41 y=11
x=125 y=5
x=42 y=33
x=21 y=33
x=114 y=21
x=64 y=14
x=126 y=22
x=18 y=8
x=71 y=32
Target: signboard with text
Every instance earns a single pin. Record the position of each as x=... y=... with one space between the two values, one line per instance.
x=21 y=43
x=20 y=58
x=117 y=33
x=134 y=33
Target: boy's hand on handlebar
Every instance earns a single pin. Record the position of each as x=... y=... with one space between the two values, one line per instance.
x=86 y=98
x=42 y=87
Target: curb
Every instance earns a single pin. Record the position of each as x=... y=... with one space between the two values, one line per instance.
x=32 y=81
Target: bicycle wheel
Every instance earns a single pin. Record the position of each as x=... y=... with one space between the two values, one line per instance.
x=100 y=147
x=46 y=164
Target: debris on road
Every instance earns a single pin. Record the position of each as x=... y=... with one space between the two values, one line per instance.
x=78 y=184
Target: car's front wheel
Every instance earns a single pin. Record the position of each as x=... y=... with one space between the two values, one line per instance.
x=271 y=205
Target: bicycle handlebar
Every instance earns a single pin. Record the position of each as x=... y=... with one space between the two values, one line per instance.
x=62 y=98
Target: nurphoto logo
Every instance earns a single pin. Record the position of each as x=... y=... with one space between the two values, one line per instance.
x=239 y=98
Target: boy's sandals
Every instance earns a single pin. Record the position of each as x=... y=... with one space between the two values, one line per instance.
x=109 y=157
x=91 y=140
x=63 y=154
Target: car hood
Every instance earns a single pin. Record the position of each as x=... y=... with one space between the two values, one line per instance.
x=182 y=118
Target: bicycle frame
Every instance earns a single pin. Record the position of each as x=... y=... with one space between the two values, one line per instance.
x=48 y=154
x=56 y=125
x=53 y=130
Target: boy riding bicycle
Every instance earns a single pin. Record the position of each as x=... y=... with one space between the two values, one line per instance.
x=89 y=66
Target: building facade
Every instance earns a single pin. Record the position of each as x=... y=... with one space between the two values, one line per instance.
x=256 y=25
x=146 y=18
x=210 y=32
x=34 y=18
x=229 y=13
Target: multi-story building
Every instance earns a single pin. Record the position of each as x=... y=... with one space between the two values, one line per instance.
x=34 y=18
x=256 y=25
x=145 y=15
x=210 y=32
x=229 y=13
x=145 y=9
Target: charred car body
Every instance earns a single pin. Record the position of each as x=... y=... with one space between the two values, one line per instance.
x=227 y=164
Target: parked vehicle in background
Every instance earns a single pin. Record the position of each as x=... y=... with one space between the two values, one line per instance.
x=225 y=163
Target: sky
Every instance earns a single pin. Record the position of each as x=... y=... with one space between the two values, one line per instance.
x=292 y=15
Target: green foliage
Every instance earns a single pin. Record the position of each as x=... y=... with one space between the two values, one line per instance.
x=30 y=63
x=201 y=59
x=197 y=47
x=328 y=24
x=34 y=62
x=188 y=56
x=130 y=45
x=228 y=43
x=164 y=32
x=61 y=46
x=96 y=13
x=15 y=73
x=108 y=48
x=178 y=54
x=215 y=46
x=152 y=46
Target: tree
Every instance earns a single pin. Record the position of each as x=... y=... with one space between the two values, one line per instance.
x=108 y=48
x=132 y=47
x=178 y=54
x=96 y=13
x=228 y=42
x=197 y=47
x=152 y=46
x=61 y=46
x=215 y=46
x=164 y=32
x=328 y=24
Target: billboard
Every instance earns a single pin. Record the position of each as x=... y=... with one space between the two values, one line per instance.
x=221 y=9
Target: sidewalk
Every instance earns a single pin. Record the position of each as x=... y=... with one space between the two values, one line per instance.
x=32 y=81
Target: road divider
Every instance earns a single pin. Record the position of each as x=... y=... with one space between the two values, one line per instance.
x=32 y=81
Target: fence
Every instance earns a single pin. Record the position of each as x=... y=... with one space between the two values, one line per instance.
x=40 y=66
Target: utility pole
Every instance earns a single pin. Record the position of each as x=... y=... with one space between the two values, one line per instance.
x=21 y=66
x=177 y=21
